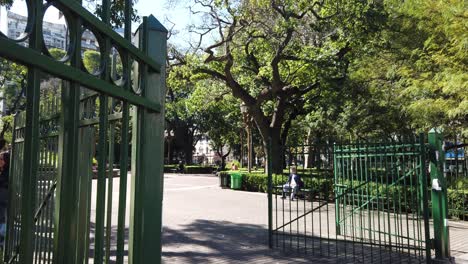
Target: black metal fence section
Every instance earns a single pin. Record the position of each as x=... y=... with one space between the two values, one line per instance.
x=360 y=203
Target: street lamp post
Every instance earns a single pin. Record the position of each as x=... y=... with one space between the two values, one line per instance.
x=246 y=119
x=169 y=134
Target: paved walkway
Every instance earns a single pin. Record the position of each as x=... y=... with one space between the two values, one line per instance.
x=206 y=224
x=203 y=223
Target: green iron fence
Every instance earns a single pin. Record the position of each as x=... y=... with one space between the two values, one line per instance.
x=71 y=141
x=456 y=173
x=363 y=202
x=46 y=181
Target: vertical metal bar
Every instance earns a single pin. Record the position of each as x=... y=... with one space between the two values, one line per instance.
x=370 y=197
x=295 y=154
x=31 y=146
x=270 y=198
x=439 y=196
x=11 y=193
x=49 y=203
x=52 y=212
x=275 y=212
x=337 y=192
x=66 y=221
x=102 y=161
x=353 y=224
x=303 y=150
x=406 y=189
x=413 y=187
x=147 y=159
x=337 y=197
x=110 y=191
x=85 y=178
x=423 y=190
x=40 y=194
x=393 y=167
x=101 y=182
x=344 y=176
x=360 y=195
x=124 y=143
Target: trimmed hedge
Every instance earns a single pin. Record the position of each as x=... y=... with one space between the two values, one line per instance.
x=169 y=168
x=398 y=197
x=194 y=169
x=199 y=169
x=258 y=182
x=458 y=203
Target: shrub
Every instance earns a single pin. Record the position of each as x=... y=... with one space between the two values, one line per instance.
x=229 y=164
x=458 y=203
x=258 y=182
x=199 y=169
x=169 y=168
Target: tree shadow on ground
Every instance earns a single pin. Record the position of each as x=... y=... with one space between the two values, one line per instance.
x=205 y=241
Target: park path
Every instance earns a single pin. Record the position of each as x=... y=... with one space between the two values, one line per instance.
x=203 y=223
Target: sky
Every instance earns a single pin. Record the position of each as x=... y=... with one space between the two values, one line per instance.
x=178 y=15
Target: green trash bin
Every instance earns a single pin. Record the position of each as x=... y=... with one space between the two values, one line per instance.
x=236 y=180
x=224 y=179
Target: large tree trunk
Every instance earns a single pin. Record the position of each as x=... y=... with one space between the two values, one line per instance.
x=276 y=153
x=184 y=141
x=188 y=152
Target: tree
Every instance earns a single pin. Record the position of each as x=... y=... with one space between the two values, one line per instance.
x=418 y=64
x=181 y=116
x=219 y=116
x=92 y=61
x=13 y=86
x=279 y=56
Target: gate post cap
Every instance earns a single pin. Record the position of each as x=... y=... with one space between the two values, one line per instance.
x=154 y=24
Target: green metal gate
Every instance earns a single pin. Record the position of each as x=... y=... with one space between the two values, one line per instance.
x=66 y=206
x=381 y=199
x=361 y=203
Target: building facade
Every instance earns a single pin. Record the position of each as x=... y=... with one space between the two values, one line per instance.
x=56 y=35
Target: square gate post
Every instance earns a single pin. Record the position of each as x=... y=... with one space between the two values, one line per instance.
x=439 y=195
x=148 y=151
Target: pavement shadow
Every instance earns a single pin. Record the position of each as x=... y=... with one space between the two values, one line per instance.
x=205 y=241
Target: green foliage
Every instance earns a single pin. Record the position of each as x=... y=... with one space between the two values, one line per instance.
x=219 y=114
x=57 y=53
x=233 y=162
x=258 y=182
x=415 y=70
x=13 y=84
x=281 y=58
x=92 y=61
x=198 y=169
x=7 y=3
x=117 y=15
x=458 y=203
